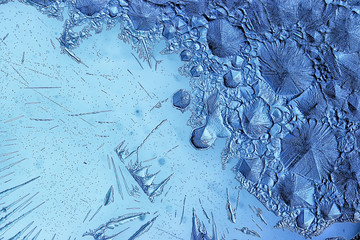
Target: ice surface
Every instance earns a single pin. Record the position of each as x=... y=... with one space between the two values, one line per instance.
x=224 y=39
x=269 y=88
x=232 y=79
x=310 y=150
x=181 y=99
x=286 y=68
x=305 y=218
x=90 y=7
x=143 y=14
x=296 y=190
x=255 y=118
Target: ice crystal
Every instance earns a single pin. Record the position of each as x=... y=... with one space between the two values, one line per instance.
x=286 y=68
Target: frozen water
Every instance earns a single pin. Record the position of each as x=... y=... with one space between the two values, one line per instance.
x=232 y=79
x=90 y=7
x=296 y=191
x=305 y=218
x=310 y=150
x=268 y=88
x=181 y=99
x=286 y=68
x=255 y=118
x=224 y=39
x=344 y=30
x=143 y=14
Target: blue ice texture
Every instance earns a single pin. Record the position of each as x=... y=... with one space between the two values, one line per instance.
x=278 y=80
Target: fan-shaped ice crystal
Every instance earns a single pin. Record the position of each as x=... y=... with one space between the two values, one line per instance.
x=296 y=191
x=344 y=33
x=310 y=150
x=143 y=14
x=90 y=7
x=224 y=39
x=286 y=68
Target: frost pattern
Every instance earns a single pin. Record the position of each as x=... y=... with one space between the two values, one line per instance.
x=278 y=79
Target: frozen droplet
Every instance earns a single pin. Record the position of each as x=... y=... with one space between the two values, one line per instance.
x=181 y=99
x=186 y=55
x=233 y=78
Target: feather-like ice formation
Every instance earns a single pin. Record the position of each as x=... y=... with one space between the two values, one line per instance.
x=335 y=94
x=286 y=13
x=308 y=59
x=258 y=18
x=195 y=7
x=255 y=118
x=311 y=13
x=349 y=65
x=232 y=4
x=100 y=232
x=146 y=180
x=310 y=150
x=224 y=39
x=199 y=231
x=286 y=68
x=281 y=13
